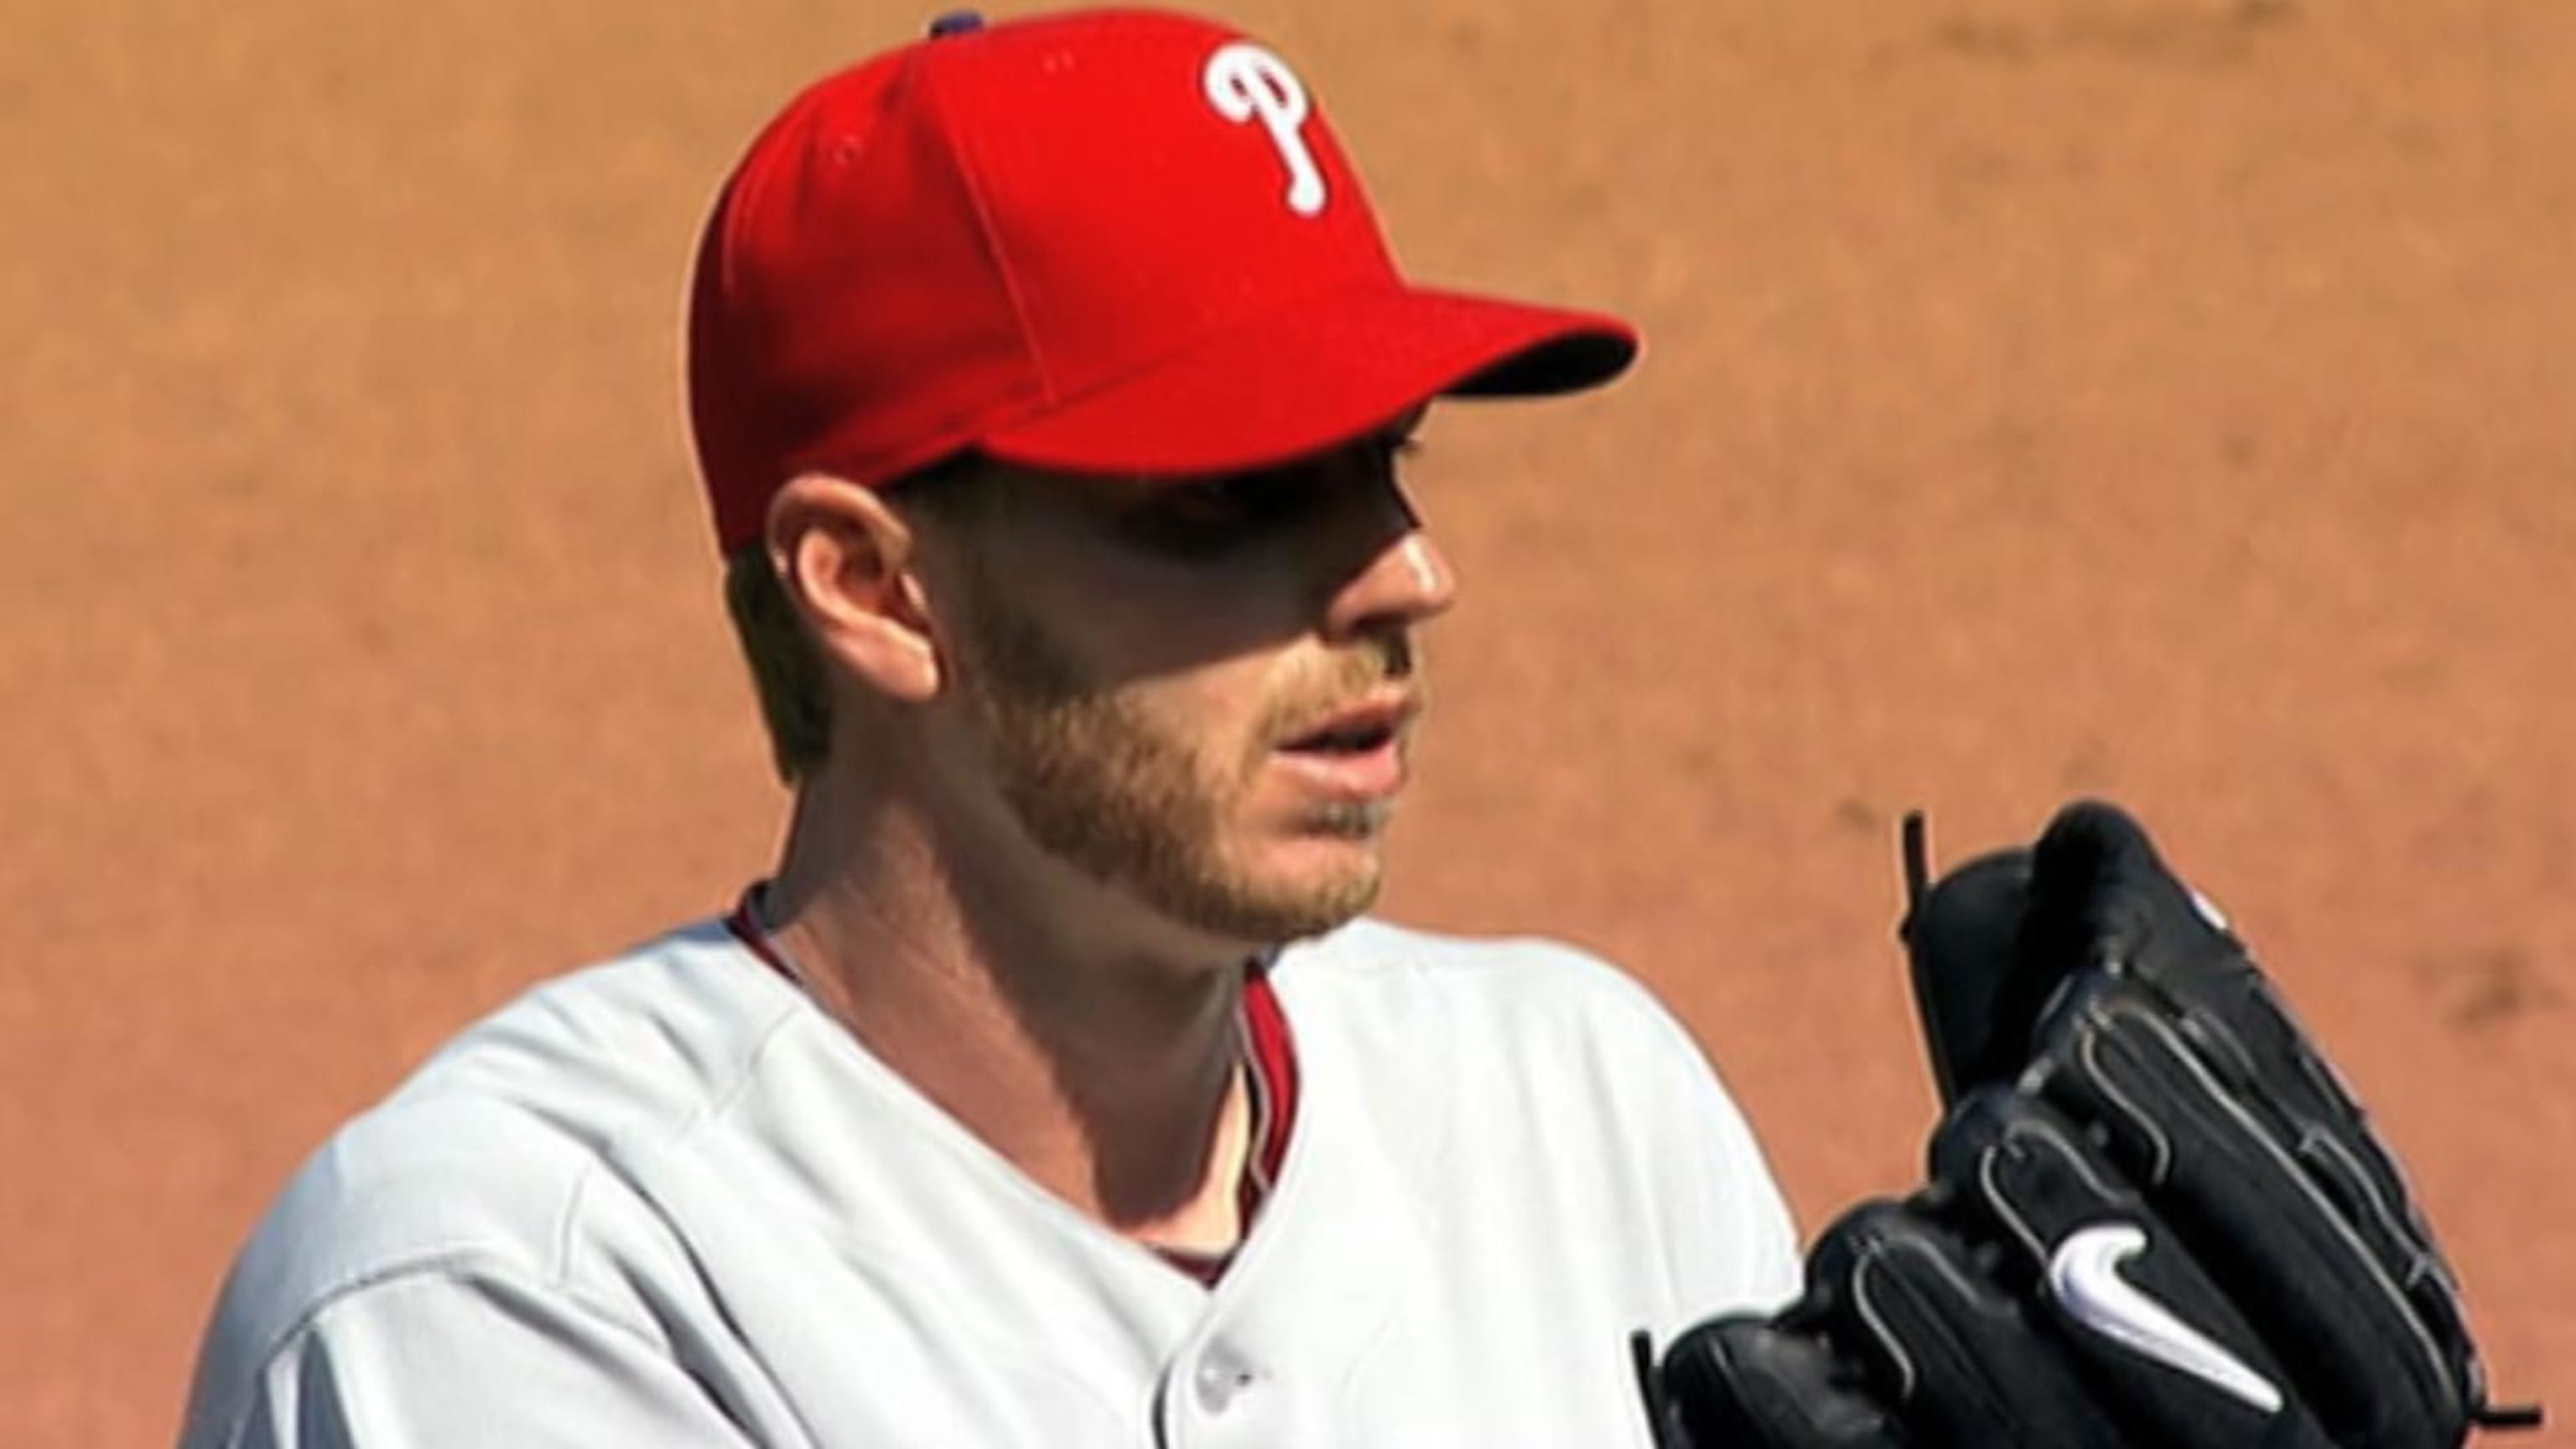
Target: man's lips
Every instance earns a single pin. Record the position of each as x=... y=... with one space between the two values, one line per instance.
x=1356 y=753
x=1369 y=723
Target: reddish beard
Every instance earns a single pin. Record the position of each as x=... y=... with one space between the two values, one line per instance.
x=1096 y=781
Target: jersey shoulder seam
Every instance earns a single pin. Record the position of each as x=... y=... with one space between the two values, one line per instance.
x=495 y=1266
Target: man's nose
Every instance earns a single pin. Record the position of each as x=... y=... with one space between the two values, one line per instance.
x=1406 y=580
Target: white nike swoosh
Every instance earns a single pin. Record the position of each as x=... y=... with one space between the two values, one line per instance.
x=2084 y=1274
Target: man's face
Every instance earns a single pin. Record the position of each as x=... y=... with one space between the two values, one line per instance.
x=1201 y=693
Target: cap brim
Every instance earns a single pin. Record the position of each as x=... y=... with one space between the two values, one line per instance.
x=1328 y=372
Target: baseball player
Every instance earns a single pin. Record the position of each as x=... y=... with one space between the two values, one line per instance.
x=1049 y=383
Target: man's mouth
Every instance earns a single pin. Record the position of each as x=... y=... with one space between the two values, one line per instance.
x=1355 y=755
x=1343 y=740
x=1358 y=729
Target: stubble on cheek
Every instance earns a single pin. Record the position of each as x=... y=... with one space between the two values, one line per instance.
x=1099 y=783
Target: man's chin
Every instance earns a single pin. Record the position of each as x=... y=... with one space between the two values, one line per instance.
x=1288 y=907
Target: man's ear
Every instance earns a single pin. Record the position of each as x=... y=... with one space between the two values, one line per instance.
x=845 y=559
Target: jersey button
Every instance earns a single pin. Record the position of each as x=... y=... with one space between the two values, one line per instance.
x=1223 y=1377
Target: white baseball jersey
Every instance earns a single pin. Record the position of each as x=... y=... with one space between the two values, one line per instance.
x=668 y=1201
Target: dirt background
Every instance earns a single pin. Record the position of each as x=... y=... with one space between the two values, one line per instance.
x=2154 y=397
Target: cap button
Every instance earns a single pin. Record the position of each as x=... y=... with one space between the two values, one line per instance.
x=956 y=22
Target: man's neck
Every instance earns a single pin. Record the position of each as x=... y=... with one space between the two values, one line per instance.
x=1111 y=1078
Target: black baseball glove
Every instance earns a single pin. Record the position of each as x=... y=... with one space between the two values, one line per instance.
x=2154 y=1214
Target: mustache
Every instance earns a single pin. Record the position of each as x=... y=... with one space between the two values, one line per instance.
x=1382 y=664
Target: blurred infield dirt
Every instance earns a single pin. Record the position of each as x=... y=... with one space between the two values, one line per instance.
x=2159 y=398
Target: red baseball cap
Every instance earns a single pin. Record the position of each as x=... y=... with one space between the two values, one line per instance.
x=1105 y=241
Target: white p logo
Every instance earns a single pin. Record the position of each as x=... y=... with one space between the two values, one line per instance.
x=1247 y=83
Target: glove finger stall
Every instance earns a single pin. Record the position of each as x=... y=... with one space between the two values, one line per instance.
x=1748 y=1381
x=2138 y=920
x=1956 y=1354
x=2154 y=1336
x=2335 y=1298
